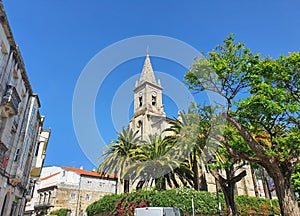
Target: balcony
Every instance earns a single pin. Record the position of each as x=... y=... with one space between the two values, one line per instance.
x=10 y=101
x=42 y=205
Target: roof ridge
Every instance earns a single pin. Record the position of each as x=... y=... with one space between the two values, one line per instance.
x=50 y=176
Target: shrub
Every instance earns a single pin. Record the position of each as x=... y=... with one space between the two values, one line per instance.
x=205 y=203
x=60 y=212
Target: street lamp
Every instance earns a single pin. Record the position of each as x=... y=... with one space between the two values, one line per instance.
x=214 y=161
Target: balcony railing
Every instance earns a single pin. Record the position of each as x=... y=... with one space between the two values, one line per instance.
x=43 y=205
x=11 y=100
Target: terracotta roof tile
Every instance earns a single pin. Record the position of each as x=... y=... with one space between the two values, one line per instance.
x=89 y=173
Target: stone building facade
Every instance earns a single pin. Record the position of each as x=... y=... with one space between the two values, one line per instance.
x=20 y=124
x=70 y=188
x=149 y=118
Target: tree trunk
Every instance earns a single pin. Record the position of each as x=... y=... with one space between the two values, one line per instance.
x=264 y=183
x=160 y=183
x=254 y=179
x=195 y=171
x=286 y=197
x=140 y=185
x=228 y=191
x=228 y=186
x=203 y=183
x=126 y=186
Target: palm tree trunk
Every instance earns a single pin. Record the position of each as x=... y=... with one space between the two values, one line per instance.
x=126 y=186
x=195 y=171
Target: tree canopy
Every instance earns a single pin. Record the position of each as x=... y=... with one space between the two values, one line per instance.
x=262 y=96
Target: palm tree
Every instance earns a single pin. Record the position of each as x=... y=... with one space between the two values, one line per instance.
x=155 y=164
x=191 y=131
x=118 y=155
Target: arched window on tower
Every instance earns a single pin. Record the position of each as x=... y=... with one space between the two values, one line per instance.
x=140 y=127
x=141 y=99
x=153 y=98
x=139 y=124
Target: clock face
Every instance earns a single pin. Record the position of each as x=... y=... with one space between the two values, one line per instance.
x=154 y=94
x=141 y=93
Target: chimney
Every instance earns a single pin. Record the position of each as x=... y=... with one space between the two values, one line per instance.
x=81 y=167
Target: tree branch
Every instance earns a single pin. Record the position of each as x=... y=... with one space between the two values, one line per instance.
x=255 y=147
x=238 y=177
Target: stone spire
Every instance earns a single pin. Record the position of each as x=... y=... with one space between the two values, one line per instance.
x=147 y=72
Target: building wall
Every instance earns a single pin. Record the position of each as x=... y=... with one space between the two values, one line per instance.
x=67 y=189
x=20 y=123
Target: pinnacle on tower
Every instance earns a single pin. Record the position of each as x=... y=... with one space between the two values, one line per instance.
x=147 y=72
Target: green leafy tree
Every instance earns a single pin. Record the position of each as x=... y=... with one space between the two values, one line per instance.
x=296 y=179
x=118 y=155
x=262 y=95
x=229 y=170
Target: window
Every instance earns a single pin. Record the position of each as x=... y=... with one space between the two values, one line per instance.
x=41 y=198
x=139 y=124
x=49 y=197
x=37 y=149
x=153 y=98
x=73 y=196
x=87 y=197
x=140 y=101
x=17 y=155
x=45 y=197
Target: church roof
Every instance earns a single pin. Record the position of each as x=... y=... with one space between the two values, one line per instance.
x=147 y=72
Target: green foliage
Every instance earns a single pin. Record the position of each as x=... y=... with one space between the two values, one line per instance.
x=105 y=204
x=118 y=153
x=263 y=105
x=60 y=212
x=296 y=179
x=155 y=160
x=204 y=202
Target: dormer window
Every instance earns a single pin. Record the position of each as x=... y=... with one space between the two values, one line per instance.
x=153 y=98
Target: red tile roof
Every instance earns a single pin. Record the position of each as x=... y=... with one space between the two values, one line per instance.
x=89 y=173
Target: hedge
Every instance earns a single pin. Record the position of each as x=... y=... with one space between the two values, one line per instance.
x=60 y=212
x=205 y=202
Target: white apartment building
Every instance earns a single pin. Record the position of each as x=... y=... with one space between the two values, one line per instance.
x=70 y=188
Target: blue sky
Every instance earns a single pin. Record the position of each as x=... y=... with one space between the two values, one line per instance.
x=58 y=38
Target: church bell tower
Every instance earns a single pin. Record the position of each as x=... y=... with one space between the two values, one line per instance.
x=149 y=117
